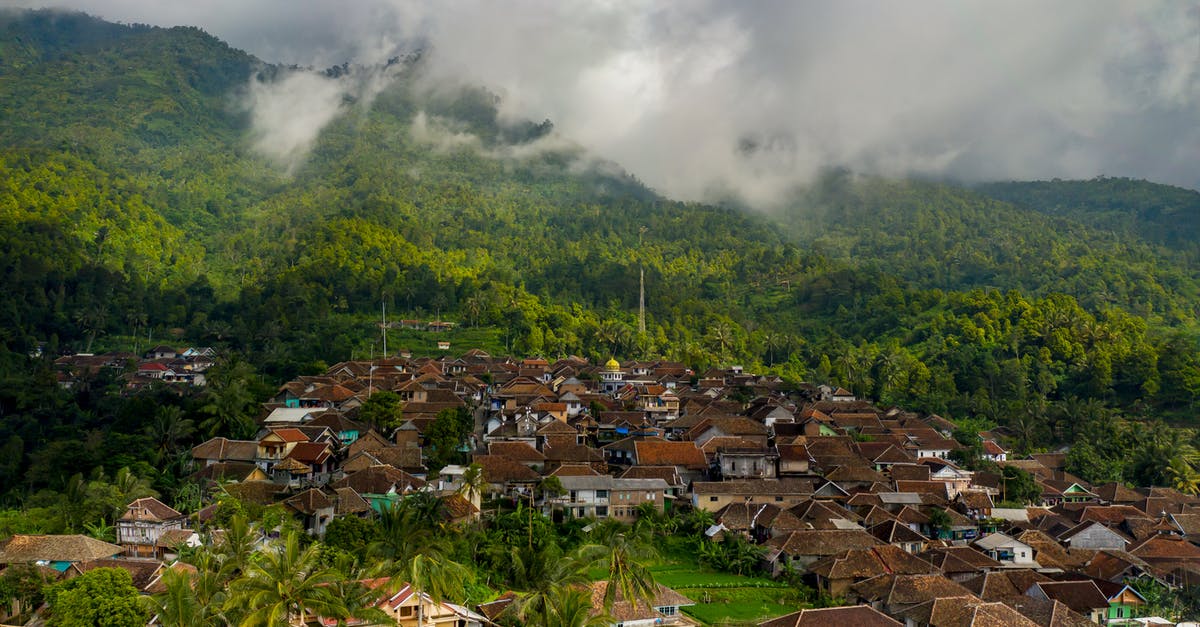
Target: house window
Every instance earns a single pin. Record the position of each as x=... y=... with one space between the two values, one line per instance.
x=601 y=511
x=406 y=611
x=779 y=499
x=649 y=496
x=601 y=494
x=666 y=610
x=712 y=499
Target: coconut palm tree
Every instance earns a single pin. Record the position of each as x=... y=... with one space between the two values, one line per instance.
x=620 y=551
x=473 y=485
x=236 y=549
x=179 y=605
x=569 y=606
x=286 y=584
x=361 y=600
x=541 y=572
x=415 y=555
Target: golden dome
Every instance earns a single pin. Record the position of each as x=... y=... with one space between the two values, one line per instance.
x=612 y=364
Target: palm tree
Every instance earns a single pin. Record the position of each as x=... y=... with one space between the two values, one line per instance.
x=226 y=407
x=179 y=605
x=285 y=585
x=1183 y=476
x=569 y=606
x=540 y=572
x=168 y=430
x=417 y=556
x=620 y=552
x=237 y=547
x=473 y=484
x=362 y=600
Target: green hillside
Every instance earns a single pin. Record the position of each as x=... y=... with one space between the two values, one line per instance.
x=1160 y=214
x=131 y=200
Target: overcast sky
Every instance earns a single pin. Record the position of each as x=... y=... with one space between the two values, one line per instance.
x=754 y=97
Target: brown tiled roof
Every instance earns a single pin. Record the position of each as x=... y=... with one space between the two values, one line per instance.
x=959 y=559
x=667 y=473
x=171 y=538
x=1117 y=493
x=1108 y=565
x=858 y=616
x=1050 y=554
x=260 y=492
x=624 y=611
x=845 y=474
x=311 y=452
x=569 y=451
x=232 y=471
x=336 y=421
x=557 y=427
x=793 y=452
x=1189 y=524
x=142 y=571
x=730 y=425
x=516 y=451
x=223 y=449
x=910 y=472
x=457 y=507
x=24 y=549
x=498 y=469
x=575 y=470
x=493 y=609
x=822 y=542
x=867 y=563
x=975 y=499
x=899 y=591
x=380 y=480
x=1047 y=613
x=1081 y=596
x=405 y=458
x=293 y=466
x=288 y=434
x=309 y=501
x=893 y=531
x=370 y=441
x=993 y=586
x=665 y=453
x=935 y=488
x=965 y=611
x=1165 y=547
x=1109 y=514
x=150 y=509
x=347 y=501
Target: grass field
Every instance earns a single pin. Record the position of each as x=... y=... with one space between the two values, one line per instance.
x=722 y=599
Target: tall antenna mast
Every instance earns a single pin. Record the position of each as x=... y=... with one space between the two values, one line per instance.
x=641 y=287
x=642 y=304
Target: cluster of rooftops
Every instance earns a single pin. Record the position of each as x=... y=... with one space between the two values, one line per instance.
x=863 y=501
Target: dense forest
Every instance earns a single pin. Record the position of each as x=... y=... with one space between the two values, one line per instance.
x=134 y=209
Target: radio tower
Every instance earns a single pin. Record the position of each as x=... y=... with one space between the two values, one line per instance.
x=641 y=288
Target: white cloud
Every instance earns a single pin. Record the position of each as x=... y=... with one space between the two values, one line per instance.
x=677 y=92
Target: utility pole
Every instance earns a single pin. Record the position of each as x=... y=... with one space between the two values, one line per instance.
x=384 y=327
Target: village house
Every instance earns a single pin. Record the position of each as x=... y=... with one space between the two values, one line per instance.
x=607 y=497
x=713 y=495
x=59 y=552
x=144 y=523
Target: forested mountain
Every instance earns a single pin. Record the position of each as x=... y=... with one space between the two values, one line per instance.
x=133 y=202
x=1160 y=214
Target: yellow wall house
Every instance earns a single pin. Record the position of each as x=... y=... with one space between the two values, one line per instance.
x=403 y=606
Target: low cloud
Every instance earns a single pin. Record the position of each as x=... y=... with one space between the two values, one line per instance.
x=288 y=114
x=728 y=98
